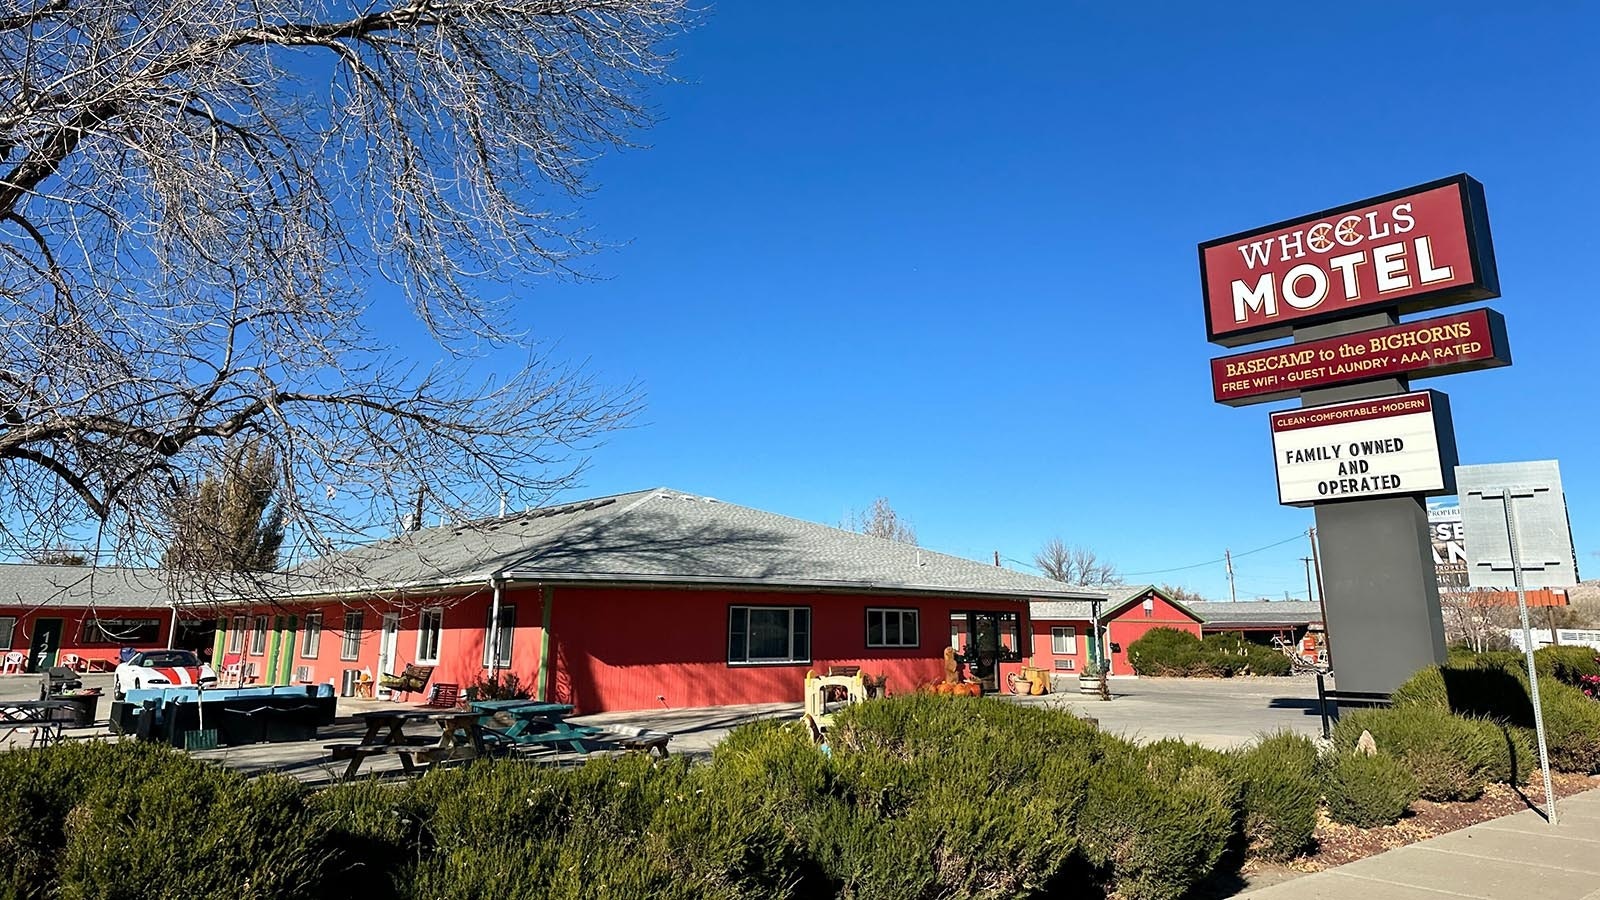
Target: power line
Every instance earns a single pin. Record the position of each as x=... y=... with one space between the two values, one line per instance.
x=1211 y=562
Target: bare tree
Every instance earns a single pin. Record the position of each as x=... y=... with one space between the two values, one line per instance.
x=1182 y=594
x=880 y=520
x=1473 y=619
x=1074 y=564
x=197 y=198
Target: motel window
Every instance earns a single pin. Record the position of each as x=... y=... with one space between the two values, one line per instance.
x=1064 y=641
x=429 y=624
x=130 y=632
x=502 y=636
x=236 y=635
x=769 y=634
x=350 y=648
x=258 y=636
x=8 y=631
x=892 y=628
x=312 y=642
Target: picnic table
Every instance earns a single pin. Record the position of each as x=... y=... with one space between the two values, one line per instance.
x=459 y=737
x=37 y=717
x=531 y=723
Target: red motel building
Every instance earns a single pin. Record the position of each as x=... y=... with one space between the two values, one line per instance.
x=646 y=600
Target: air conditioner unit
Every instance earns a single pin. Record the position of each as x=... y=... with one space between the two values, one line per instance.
x=302 y=674
x=1066 y=665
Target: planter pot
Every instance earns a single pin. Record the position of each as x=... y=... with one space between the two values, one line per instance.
x=1089 y=685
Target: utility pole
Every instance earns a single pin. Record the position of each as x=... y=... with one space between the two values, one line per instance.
x=1322 y=595
x=1233 y=590
x=1309 y=594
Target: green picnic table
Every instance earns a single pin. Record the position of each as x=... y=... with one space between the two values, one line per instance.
x=532 y=723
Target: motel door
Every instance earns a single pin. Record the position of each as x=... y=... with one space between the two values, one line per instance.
x=991 y=638
x=388 y=643
x=45 y=645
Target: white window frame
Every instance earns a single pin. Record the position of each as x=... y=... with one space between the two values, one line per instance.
x=236 y=635
x=793 y=658
x=350 y=645
x=436 y=615
x=311 y=643
x=1066 y=635
x=506 y=634
x=902 y=614
x=259 y=626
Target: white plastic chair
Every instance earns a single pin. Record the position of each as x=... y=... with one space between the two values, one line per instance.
x=73 y=661
x=15 y=661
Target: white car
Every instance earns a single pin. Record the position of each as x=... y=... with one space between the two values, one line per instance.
x=161 y=668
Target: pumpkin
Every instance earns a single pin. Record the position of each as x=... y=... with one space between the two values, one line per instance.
x=974 y=689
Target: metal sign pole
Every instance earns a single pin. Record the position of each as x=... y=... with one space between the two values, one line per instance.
x=1527 y=652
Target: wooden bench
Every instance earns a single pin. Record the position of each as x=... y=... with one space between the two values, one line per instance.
x=444 y=696
x=410 y=754
x=413 y=679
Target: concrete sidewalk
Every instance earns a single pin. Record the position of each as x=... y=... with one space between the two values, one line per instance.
x=1517 y=857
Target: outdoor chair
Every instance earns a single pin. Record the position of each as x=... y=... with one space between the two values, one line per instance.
x=15 y=663
x=444 y=696
x=413 y=680
x=74 y=662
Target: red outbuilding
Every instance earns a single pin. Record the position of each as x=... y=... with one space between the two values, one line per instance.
x=645 y=600
x=1064 y=631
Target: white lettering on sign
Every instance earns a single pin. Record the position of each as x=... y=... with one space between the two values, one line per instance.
x=1308 y=285
x=1369 y=448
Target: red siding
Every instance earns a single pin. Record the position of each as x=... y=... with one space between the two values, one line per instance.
x=1044 y=655
x=72 y=634
x=1132 y=622
x=633 y=648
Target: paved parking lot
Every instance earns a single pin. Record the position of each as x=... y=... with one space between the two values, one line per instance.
x=1215 y=712
x=1218 y=713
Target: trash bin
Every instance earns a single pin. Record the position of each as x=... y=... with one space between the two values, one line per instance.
x=82 y=712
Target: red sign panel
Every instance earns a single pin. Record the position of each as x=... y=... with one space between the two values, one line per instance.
x=1416 y=249
x=1461 y=342
x=1359 y=411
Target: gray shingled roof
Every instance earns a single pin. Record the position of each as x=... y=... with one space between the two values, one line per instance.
x=1266 y=613
x=1118 y=596
x=80 y=587
x=662 y=536
x=1061 y=609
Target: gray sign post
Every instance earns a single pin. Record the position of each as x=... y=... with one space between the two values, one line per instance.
x=1380 y=592
x=1520 y=516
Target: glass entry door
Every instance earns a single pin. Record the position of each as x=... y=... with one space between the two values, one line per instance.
x=983 y=640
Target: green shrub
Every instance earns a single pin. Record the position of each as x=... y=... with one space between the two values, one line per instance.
x=1174 y=653
x=1166 y=651
x=1368 y=791
x=1155 y=839
x=1266 y=661
x=1566 y=664
x=969 y=797
x=1495 y=686
x=1452 y=758
x=1572 y=728
x=1278 y=783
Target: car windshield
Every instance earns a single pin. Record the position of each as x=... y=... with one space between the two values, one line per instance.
x=169 y=658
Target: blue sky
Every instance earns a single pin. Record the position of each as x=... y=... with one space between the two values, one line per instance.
x=949 y=258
